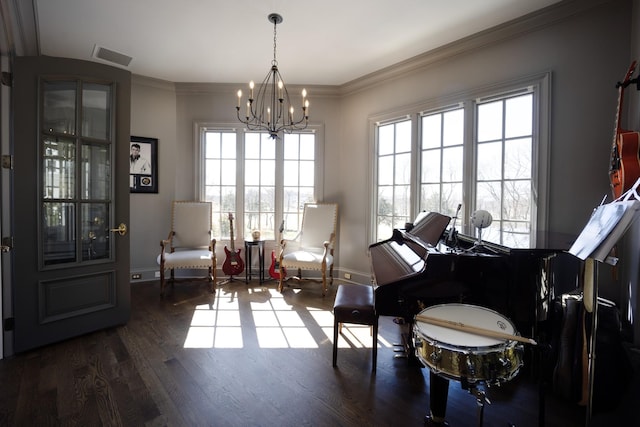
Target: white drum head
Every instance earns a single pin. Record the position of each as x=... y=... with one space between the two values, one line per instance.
x=469 y=315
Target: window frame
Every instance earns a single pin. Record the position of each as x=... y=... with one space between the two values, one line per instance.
x=200 y=130
x=540 y=84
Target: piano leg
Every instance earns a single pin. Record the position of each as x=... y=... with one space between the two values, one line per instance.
x=438 y=396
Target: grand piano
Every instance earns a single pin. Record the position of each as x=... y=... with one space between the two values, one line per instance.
x=431 y=264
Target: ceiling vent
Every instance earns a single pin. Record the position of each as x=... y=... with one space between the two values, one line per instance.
x=111 y=56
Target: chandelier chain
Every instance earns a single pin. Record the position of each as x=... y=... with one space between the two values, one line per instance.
x=275 y=25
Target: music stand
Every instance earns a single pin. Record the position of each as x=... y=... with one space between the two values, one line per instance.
x=605 y=227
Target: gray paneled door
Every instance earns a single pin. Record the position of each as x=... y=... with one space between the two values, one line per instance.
x=70 y=199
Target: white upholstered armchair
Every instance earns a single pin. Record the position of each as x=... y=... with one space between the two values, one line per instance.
x=312 y=249
x=190 y=244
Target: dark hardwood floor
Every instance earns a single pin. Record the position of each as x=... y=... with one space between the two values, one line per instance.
x=248 y=356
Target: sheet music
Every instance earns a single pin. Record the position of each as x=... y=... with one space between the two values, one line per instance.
x=605 y=227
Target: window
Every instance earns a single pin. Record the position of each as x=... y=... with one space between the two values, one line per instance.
x=299 y=179
x=394 y=176
x=485 y=150
x=220 y=153
x=504 y=142
x=442 y=160
x=261 y=181
x=259 y=184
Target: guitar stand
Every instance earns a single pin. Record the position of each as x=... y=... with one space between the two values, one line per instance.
x=228 y=280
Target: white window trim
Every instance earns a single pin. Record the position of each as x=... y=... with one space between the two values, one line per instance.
x=200 y=128
x=540 y=82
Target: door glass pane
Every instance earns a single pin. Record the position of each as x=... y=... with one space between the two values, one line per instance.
x=96 y=171
x=59 y=107
x=58 y=233
x=76 y=193
x=95 y=231
x=58 y=168
x=96 y=110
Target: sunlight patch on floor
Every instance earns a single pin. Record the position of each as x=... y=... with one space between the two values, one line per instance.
x=275 y=322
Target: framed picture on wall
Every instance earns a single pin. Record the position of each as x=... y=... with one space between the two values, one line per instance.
x=143 y=165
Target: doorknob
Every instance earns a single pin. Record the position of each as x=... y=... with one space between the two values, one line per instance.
x=6 y=245
x=122 y=229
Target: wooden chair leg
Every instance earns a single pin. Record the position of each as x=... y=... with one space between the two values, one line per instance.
x=162 y=280
x=324 y=283
x=212 y=281
x=280 y=279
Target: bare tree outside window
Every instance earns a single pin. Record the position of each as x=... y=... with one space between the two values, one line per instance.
x=503 y=171
x=490 y=167
x=393 y=203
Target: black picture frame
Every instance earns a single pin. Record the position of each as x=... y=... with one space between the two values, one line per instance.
x=143 y=170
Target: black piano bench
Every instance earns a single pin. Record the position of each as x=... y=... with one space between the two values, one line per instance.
x=355 y=304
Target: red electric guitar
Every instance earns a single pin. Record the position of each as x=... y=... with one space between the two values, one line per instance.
x=233 y=265
x=274 y=270
x=625 y=161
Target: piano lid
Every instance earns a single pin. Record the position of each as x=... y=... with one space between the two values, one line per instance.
x=405 y=253
x=430 y=226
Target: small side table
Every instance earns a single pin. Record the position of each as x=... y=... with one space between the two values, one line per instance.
x=248 y=249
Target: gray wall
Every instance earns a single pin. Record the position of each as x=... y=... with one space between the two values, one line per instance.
x=153 y=115
x=585 y=45
x=586 y=53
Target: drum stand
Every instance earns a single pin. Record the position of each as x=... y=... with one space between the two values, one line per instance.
x=481 y=398
x=478 y=390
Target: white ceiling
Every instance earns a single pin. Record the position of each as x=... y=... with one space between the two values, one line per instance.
x=328 y=42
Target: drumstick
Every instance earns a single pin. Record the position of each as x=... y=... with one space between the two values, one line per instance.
x=473 y=329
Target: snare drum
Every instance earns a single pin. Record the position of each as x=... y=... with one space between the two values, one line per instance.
x=466 y=356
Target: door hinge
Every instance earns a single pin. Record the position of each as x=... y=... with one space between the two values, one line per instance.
x=9 y=323
x=7 y=78
x=7 y=161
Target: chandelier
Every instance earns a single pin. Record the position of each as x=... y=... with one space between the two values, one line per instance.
x=271 y=110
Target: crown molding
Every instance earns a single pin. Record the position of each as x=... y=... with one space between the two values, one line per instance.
x=535 y=21
x=137 y=79
x=318 y=91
